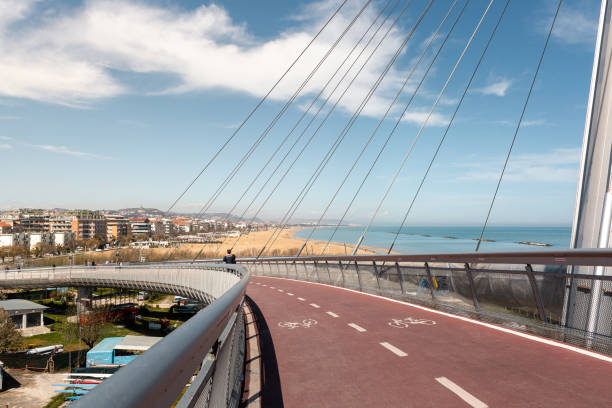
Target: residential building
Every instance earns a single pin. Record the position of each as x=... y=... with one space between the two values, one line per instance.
x=140 y=226
x=31 y=223
x=116 y=226
x=5 y=228
x=169 y=227
x=64 y=238
x=60 y=224
x=89 y=225
x=15 y=239
x=157 y=227
x=183 y=225
x=41 y=238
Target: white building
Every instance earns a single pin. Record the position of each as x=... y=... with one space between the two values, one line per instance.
x=18 y=239
x=41 y=237
x=64 y=238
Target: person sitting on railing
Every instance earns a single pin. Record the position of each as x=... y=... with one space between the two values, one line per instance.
x=229 y=258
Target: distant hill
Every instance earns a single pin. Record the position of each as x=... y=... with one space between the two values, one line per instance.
x=156 y=213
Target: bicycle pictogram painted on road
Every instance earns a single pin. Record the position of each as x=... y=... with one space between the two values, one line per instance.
x=408 y=321
x=306 y=323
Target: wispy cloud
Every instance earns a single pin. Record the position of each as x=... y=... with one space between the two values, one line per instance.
x=5 y=138
x=498 y=88
x=66 y=150
x=574 y=26
x=418 y=118
x=5 y=146
x=559 y=165
x=68 y=58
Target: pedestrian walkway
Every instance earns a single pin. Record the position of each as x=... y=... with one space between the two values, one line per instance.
x=335 y=347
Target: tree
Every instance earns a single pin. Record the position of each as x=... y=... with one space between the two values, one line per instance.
x=89 y=329
x=10 y=338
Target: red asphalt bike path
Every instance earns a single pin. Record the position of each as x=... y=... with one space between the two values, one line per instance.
x=331 y=364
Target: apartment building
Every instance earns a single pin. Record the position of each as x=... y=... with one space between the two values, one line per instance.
x=140 y=226
x=31 y=223
x=116 y=226
x=60 y=224
x=5 y=228
x=17 y=239
x=41 y=238
x=89 y=225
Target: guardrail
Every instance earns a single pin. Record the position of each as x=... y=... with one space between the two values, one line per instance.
x=558 y=288
x=156 y=378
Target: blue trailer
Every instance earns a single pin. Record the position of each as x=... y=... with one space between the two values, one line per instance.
x=104 y=354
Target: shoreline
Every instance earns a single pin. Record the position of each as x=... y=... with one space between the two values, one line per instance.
x=362 y=248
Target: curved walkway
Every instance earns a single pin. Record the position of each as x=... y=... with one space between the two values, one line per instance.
x=335 y=347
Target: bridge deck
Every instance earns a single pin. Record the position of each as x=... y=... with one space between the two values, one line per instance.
x=352 y=356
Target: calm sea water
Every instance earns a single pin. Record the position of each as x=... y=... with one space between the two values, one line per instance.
x=422 y=240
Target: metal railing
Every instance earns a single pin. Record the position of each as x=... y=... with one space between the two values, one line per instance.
x=530 y=290
x=157 y=377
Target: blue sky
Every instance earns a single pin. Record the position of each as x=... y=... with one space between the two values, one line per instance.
x=118 y=103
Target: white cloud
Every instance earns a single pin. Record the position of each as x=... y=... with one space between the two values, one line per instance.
x=69 y=57
x=498 y=88
x=575 y=26
x=559 y=165
x=5 y=146
x=5 y=138
x=418 y=117
x=66 y=150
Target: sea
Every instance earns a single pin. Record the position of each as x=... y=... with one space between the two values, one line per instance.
x=438 y=239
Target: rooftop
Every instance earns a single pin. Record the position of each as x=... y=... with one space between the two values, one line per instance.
x=138 y=343
x=20 y=304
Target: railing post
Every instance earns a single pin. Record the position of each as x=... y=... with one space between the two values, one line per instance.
x=358 y=276
x=536 y=292
x=305 y=269
x=400 y=277
x=286 y=269
x=328 y=273
x=296 y=270
x=376 y=274
x=342 y=273
x=468 y=272
x=317 y=271
x=430 y=281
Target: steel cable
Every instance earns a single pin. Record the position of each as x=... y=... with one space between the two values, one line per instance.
x=344 y=132
x=322 y=122
x=315 y=99
x=265 y=133
x=405 y=158
x=261 y=101
x=382 y=148
x=518 y=125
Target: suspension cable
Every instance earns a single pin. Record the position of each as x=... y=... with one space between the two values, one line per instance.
x=450 y=76
x=261 y=101
x=465 y=91
x=381 y=121
x=315 y=99
x=265 y=133
x=324 y=119
x=518 y=125
x=344 y=132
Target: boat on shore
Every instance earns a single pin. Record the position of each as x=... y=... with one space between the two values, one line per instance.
x=539 y=244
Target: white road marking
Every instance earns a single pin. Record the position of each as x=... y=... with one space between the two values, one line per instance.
x=463 y=394
x=302 y=299
x=469 y=320
x=332 y=314
x=272 y=287
x=280 y=290
x=393 y=349
x=290 y=294
x=315 y=305
x=356 y=327
x=264 y=285
x=257 y=283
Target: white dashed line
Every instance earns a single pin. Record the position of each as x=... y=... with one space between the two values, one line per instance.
x=302 y=299
x=290 y=294
x=272 y=287
x=356 y=327
x=393 y=349
x=332 y=314
x=264 y=285
x=280 y=290
x=315 y=305
x=463 y=394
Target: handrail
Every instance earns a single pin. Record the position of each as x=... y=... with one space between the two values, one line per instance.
x=156 y=377
x=583 y=257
